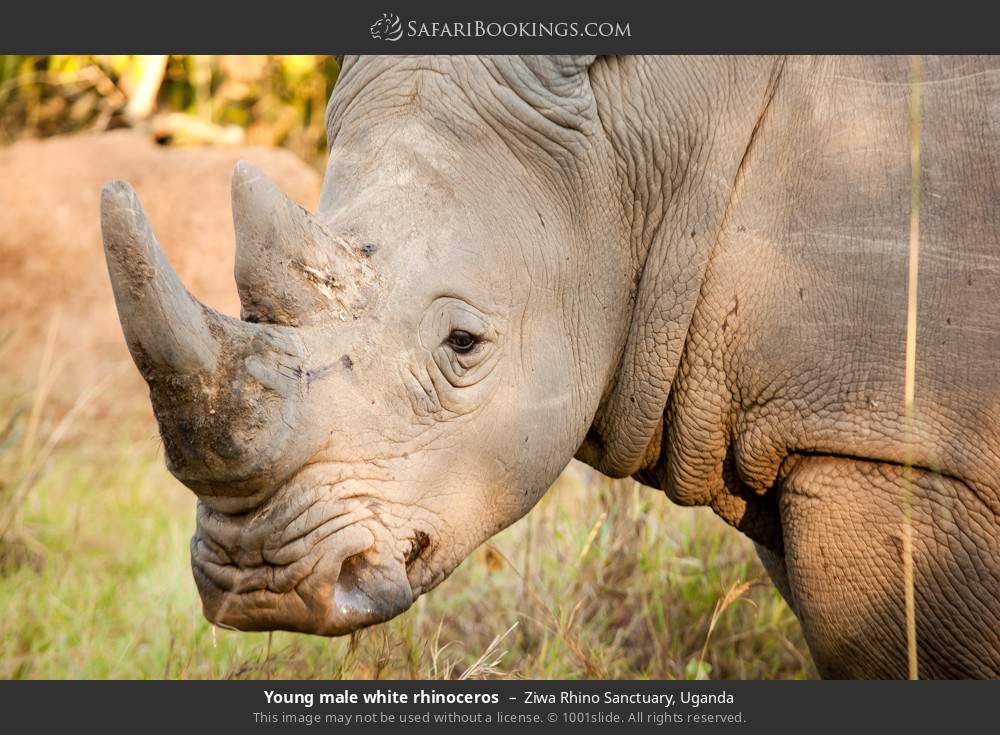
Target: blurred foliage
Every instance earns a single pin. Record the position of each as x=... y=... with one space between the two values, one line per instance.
x=260 y=100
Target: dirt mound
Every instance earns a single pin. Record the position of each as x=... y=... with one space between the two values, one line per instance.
x=52 y=268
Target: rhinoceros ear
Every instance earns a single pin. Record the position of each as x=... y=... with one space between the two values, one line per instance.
x=289 y=269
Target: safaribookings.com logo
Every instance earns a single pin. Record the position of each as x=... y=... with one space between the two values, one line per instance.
x=387 y=28
x=390 y=28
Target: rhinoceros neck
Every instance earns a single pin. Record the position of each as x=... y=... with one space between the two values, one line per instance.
x=683 y=134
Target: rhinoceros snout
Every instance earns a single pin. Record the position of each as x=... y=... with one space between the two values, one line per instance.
x=344 y=583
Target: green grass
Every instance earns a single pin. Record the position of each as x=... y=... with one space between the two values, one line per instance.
x=602 y=579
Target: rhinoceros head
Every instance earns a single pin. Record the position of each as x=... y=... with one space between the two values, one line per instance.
x=413 y=365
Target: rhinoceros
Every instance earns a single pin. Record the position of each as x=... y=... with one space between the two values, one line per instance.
x=692 y=271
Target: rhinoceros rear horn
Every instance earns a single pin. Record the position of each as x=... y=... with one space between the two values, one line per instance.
x=289 y=269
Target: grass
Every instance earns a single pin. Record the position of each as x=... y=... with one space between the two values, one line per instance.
x=602 y=579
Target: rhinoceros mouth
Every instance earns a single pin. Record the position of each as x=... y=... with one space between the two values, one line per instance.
x=326 y=571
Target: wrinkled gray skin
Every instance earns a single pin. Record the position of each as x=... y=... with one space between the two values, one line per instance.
x=688 y=270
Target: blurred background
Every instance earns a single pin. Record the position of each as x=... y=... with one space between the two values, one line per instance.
x=177 y=100
x=603 y=579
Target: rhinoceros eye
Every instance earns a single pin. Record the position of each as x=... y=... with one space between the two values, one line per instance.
x=461 y=341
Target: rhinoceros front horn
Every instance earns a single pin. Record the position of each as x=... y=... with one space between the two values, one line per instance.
x=227 y=394
x=289 y=269
x=165 y=327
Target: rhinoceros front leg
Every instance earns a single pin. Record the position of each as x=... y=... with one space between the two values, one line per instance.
x=842 y=522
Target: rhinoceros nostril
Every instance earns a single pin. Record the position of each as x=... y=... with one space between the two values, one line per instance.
x=368 y=591
x=351 y=602
x=419 y=542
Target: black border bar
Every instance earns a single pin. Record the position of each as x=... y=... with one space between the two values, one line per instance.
x=740 y=706
x=672 y=26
